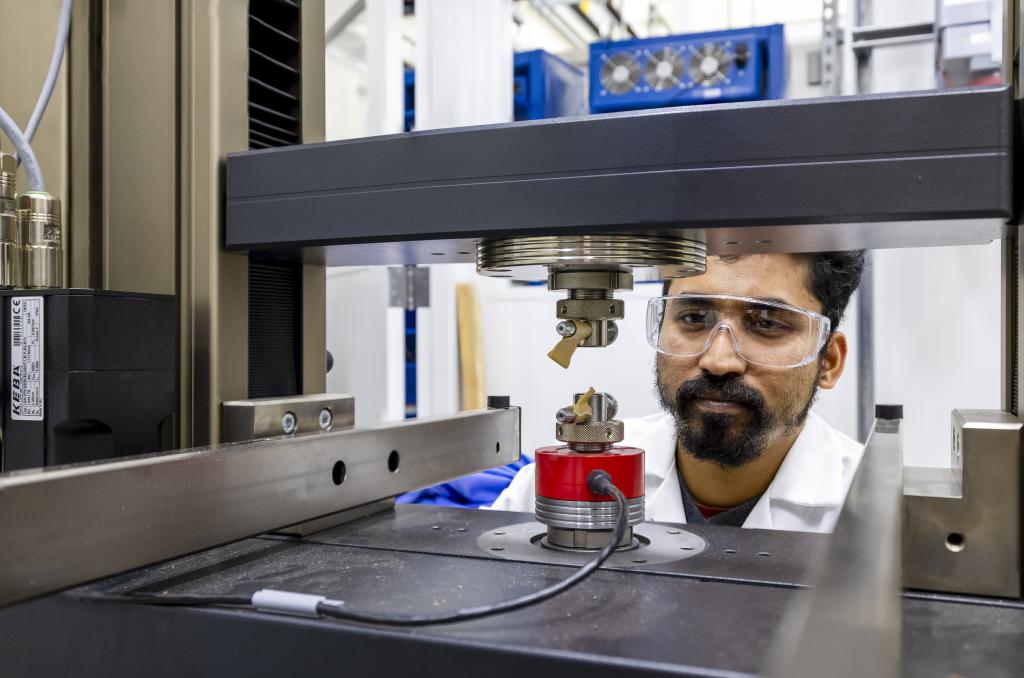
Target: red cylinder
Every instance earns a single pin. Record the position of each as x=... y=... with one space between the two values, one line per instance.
x=562 y=473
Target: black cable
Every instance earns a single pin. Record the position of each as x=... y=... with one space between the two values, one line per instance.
x=598 y=481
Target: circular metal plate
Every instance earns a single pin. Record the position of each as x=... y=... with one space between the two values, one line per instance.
x=657 y=544
x=500 y=258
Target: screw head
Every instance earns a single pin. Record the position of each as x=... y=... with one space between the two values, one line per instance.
x=565 y=416
x=326 y=418
x=566 y=328
x=288 y=423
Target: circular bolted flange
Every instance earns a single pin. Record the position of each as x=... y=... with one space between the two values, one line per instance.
x=590 y=309
x=616 y=252
x=600 y=432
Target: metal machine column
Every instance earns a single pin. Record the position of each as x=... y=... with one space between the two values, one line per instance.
x=151 y=98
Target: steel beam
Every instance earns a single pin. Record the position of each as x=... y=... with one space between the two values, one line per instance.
x=70 y=525
x=744 y=176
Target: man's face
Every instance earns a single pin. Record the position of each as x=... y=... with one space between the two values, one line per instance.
x=727 y=410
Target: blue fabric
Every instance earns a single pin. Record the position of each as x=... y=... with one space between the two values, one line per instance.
x=472 y=491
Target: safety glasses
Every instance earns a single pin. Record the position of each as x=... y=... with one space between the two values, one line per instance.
x=762 y=332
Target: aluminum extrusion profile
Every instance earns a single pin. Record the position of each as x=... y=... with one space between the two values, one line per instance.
x=69 y=525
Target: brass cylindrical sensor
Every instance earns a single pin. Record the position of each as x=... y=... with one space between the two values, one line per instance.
x=10 y=252
x=41 y=240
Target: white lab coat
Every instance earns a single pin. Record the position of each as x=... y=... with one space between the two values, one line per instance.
x=806 y=494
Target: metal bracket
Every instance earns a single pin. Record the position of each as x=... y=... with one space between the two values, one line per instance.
x=268 y=417
x=409 y=287
x=962 y=526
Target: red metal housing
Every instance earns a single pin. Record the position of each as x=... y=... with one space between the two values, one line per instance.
x=562 y=473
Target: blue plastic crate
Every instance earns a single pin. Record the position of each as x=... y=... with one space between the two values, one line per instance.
x=735 y=65
x=544 y=86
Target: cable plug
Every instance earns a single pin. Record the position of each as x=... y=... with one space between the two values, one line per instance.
x=600 y=482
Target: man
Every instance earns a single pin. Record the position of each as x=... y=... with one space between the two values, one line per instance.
x=742 y=352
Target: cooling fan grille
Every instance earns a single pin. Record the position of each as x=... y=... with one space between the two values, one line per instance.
x=709 y=65
x=620 y=72
x=664 y=69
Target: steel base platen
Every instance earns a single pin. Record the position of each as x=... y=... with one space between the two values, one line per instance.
x=650 y=544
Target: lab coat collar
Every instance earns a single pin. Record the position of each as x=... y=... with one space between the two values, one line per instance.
x=810 y=477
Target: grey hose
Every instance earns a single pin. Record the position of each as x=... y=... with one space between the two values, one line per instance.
x=63 y=28
x=25 y=152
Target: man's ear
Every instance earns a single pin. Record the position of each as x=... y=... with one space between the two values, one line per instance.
x=833 y=362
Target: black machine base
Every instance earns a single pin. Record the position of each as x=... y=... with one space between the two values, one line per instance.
x=714 y=614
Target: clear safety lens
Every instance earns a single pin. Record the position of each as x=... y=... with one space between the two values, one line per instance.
x=762 y=332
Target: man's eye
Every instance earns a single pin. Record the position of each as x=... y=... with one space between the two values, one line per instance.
x=692 y=318
x=768 y=326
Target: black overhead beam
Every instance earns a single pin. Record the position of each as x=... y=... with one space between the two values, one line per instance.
x=724 y=168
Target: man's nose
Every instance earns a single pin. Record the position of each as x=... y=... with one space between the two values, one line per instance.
x=721 y=357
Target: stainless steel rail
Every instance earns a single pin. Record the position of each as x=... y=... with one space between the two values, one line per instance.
x=849 y=623
x=67 y=525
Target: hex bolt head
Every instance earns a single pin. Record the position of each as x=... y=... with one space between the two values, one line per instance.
x=566 y=328
x=326 y=418
x=288 y=423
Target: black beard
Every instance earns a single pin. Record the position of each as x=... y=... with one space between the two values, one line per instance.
x=726 y=439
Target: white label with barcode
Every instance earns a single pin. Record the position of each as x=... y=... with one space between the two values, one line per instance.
x=27 y=401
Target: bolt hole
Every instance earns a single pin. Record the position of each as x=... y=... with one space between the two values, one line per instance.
x=734 y=242
x=438 y=254
x=611 y=309
x=435 y=527
x=564 y=310
x=497 y=548
x=393 y=461
x=730 y=551
x=338 y=472
x=461 y=529
x=686 y=548
x=764 y=554
x=673 y=531
x=955 y=542
x=497 y=447
x=639 y=560
x=499 y=533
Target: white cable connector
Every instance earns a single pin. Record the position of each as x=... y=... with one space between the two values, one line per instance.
x=287 y=602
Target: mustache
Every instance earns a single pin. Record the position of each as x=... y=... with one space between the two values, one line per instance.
x=730 y=389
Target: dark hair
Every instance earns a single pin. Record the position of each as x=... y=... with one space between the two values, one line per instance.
x=832 y=278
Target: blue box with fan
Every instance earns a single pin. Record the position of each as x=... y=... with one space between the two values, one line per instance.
x=736 y=65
